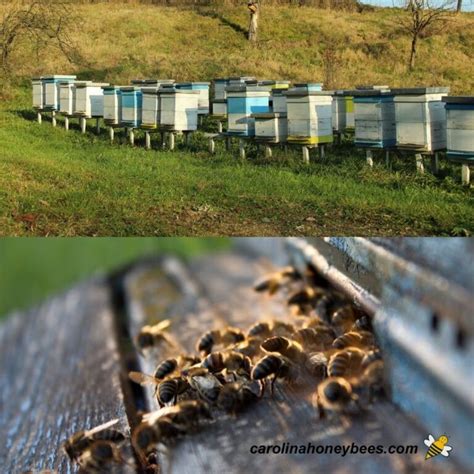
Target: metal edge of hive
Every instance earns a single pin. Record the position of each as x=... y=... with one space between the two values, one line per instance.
x=430 y=378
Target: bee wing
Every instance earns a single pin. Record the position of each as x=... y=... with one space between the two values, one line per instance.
x=142 y=379
x=428 y=442
x=161 y=326
x=101 y=427
x=151 y=417
x=445 y=451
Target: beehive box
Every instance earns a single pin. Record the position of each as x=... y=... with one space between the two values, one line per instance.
x=132 y=100
x=38 y=93
x=51 y=90
x=309 y=116
x=219 y=108
x=112 y=105
x=219 y=102
x=151 y=103
x=271 y=127
x=242 y=102
x=269 y=85
x=179 y=109
x=343 y=111
x=89 y=99
x=309 y=86
x=420 y=118
x=67 y=98
x=460 y=128
x=374 y=117
x=278 y=101
x=203 y=89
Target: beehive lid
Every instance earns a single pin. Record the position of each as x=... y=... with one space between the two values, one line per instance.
x=130 y=88
x=90 y=84
x=112 y=87
x=174 y=90
x=460 y=99
x=278 y=91
x=219 y=101
x=152 y=81
x=272 y=83
x=150 y=90
x=246 y=88
x=58 y=77
x=242 y=78
x=346 y=92
x=421 y=90
x=221 y=79
x=308 y=85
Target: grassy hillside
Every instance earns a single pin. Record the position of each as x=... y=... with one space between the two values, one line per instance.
x=119 y=42
x=57 y=183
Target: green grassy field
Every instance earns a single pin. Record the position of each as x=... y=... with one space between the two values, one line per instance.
x=54 y=182
x=57 y=183
x=33 y=269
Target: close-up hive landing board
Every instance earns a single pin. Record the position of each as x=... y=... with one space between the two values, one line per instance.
x=204 y=293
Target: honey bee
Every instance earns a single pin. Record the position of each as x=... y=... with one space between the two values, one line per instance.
x=361 y=339
x=273 y=282
x=305 y=297
x=207 y=385
x=168 y=366
x=346 y=362
x=233 y=362
x=314 y=321
x=153 y=336
x=276 y=366
x=335 y=395
x=250 y=347
x=314 y=339
x=224 y=337
x=99 y=456
x=343 y=318
x=235 y=397
x=75 y=445
x=286 y=347
x=370 y=357
x=266 y=329
x=166 y=390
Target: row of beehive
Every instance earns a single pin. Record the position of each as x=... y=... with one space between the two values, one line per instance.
x=273 y=112
x=146 y=104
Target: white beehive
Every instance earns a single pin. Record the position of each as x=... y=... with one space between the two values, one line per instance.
x=112 y=105
x=374 y=117
x=179 y=109
x=460 y=128
x=278 y=101
x=203 y=89
x=242 y=102
x=309 y=116
x=89 y=99
x=219 y=108
x=151 y=103
x=51 y=90
x=67 y=98
x=271 y=127
x=343 y=111
x=420 y=118
x=38 y=93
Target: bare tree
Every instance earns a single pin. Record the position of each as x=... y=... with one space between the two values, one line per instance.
x=421 y=16
x=254 y=9
x=39 y=22
x=459 y=6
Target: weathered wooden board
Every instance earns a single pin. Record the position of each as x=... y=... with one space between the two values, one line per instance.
x=59 y=373
x=214 y=291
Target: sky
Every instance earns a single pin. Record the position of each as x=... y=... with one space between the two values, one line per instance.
x=468 y=5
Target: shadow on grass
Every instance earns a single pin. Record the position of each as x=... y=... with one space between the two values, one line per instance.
x=235 y=26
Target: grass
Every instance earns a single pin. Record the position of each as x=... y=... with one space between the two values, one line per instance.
x=32 y=269
x=64 y=184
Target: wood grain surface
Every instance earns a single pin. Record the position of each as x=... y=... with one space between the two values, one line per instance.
x=59 y=373
x=213 y=291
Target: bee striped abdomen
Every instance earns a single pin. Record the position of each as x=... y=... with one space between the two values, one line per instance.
x=266 y=366
x=434 y=450
x=214 y=362
x=165 y=368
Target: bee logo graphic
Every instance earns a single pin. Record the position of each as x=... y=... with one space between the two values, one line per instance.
x=439 y=446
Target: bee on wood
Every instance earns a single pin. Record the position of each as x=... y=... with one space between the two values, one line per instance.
x=223 y=337
x=99 y=456
x=335 y=395
x=276 y=366
x=232 y=362
x=305 y=297
x=343 y=318
x=75 y=445
x=273 y=282
x=152 y=336
x=361 y=339
x=261 y=329
x=166 y=390
x=346 y=362
x=235 y=397
x=292 y=350
x=168 y=366
x=314 y=339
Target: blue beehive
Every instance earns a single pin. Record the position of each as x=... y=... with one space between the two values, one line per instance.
x=132 y=99
x=374 y=116
x=242 y=102
x=51 y=90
